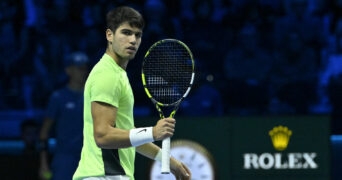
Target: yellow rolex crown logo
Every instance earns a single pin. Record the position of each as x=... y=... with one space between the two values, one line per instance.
x=280 y=136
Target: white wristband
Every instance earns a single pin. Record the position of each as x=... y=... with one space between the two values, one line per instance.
x=158 y=157
x=140 y=136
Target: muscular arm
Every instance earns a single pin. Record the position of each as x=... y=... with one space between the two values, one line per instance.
x=105 y=133
x=107 y=136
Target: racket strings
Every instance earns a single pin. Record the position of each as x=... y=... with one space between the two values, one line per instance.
x=168 y=69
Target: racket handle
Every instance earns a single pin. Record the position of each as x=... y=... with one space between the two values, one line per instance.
x=165 y=168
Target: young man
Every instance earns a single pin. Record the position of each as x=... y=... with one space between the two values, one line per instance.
x=64 y=117
x=110 y=138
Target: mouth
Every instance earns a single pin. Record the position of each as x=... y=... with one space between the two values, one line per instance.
x=132 y=49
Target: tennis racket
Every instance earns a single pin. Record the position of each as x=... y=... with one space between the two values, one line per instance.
x=168 y=72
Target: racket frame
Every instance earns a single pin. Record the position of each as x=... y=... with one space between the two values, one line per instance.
x=166 y=143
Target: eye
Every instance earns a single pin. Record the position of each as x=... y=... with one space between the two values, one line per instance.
x=127 y=32
x=138 y=35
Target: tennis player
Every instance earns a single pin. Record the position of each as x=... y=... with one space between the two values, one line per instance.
x=110 y=139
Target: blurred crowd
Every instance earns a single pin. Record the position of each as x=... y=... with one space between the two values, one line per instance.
x=252 y=56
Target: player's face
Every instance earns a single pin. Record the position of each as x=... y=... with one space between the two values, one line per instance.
x=125 y=41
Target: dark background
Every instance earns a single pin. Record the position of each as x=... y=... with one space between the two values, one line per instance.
x=253 y=57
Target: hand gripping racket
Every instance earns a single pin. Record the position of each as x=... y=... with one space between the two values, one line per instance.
x=168 y=72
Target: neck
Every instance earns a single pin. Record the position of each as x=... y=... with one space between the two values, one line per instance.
x=119 y=60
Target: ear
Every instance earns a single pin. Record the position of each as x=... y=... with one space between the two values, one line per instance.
x=109 y=35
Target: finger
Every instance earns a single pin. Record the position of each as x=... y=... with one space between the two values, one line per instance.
x=169 y=134
x=169 y=125
x=170 y=120
x=185 y=171
x=171 y=131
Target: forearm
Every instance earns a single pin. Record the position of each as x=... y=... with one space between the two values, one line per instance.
x=108 y=136
x=45 y=129
x=43 y=142
x=118 y=138
x=149 y=150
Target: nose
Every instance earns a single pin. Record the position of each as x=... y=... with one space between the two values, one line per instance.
x=133 y=39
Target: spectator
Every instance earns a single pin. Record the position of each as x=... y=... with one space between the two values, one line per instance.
x=294 y=74
x=335 y=97
x=7 y=49
x=23 y=164
x=330 y=66
x=56 y=37
x=92 y=26
x=204 y=99
x=202 y=41
x=16 y=54
x=65 y=112
x=159 y=23
x=299 y=19
x=247 y=68
x=330 y=83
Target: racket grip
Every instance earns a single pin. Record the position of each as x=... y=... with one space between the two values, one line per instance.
x=165 y=168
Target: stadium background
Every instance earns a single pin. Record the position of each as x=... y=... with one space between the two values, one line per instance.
x=256 y=60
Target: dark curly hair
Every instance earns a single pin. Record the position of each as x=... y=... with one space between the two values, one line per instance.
x=123 y=14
